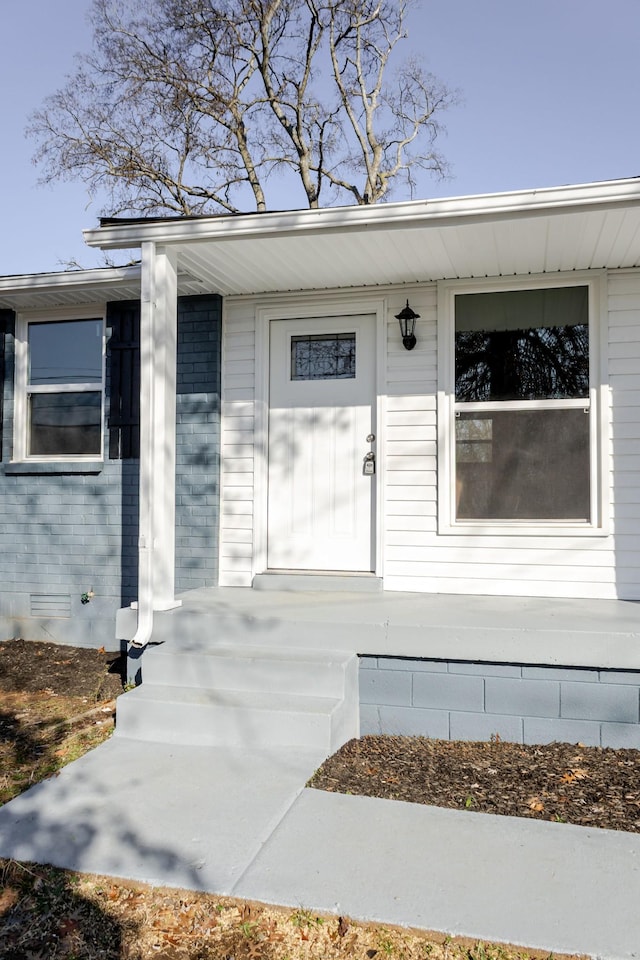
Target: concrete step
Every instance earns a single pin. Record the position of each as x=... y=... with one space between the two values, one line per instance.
x=188 y=715
x=274 y=669
x=295 y=581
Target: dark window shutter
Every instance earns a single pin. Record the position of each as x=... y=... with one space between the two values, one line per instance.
x=124 y=379
x=7 y=323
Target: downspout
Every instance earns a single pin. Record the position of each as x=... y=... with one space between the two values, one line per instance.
x=147 y=393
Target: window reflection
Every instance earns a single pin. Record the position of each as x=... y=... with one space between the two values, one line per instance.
x=323 y=357
x=522 y=345
x=67 y=351
x=523 y=465
x=65 y=424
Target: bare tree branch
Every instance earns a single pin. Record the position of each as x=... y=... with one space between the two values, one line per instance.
x=190 y=106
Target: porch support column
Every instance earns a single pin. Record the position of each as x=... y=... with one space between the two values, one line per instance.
x=158 y=342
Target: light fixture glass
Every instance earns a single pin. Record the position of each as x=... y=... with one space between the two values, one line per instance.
x=407 y=320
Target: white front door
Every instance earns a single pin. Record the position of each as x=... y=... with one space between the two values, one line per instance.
x=321 y=427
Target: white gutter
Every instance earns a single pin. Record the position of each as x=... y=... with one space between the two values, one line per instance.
x=411 y=214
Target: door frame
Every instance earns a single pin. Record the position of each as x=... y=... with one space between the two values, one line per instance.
x=304 y=308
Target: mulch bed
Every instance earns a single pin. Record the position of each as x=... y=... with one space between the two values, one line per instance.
x=590 y=786
x=31 y=666
x=56 y=702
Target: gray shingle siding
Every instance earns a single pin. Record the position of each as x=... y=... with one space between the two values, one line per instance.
x=64 y=533
x=198 y=442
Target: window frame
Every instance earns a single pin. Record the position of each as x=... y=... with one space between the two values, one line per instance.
x=447 y=405
x=23 y=389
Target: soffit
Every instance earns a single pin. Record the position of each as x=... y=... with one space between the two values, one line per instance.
x=503 y=247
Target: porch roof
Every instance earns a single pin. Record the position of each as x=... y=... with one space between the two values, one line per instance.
x=78 y=287
x=587 y=226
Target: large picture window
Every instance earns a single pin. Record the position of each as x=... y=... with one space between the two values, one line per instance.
x=59 y=398
x=520 y=398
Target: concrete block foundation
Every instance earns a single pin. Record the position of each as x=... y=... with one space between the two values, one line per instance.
x=464 y=700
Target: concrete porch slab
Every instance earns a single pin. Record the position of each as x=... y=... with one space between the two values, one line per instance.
x=585 y=633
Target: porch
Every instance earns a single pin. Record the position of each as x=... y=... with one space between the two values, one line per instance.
x=596 y=634
x=459 y=667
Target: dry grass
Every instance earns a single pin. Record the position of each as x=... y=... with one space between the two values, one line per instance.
x=48 y=913
x=41 y=732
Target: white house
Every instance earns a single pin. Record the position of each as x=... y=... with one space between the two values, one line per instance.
x=497 y=457
x=299 y=285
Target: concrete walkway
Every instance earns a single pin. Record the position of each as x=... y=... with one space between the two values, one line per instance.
x=240 y=823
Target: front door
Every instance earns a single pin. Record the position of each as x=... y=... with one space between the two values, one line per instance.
x=321 y=428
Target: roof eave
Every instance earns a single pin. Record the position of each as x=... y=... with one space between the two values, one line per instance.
x=70 y=279
x=408 y=215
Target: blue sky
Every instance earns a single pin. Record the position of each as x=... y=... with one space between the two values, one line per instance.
x=551 y=93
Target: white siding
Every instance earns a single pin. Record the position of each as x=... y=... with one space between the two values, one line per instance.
x=624 y=378
x=418 y=559
x=411 y=461
x=237 y=445
x=414 y=556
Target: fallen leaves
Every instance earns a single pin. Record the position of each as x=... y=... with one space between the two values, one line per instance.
x=68 y=926
x=577 y=773
x=8 y=897
x=58 y=915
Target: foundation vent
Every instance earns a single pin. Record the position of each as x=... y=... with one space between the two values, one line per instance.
x=50 y=605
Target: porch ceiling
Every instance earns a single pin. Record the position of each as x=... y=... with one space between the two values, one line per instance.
x=559 y=229
x=504 y=248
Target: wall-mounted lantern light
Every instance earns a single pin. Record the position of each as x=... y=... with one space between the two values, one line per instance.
x=407 y=320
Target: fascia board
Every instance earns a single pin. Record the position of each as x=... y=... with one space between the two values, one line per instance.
x=43 y=282
x=408 y=215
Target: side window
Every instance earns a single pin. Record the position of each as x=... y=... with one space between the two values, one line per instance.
x=522 y=426
x=60 y=388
